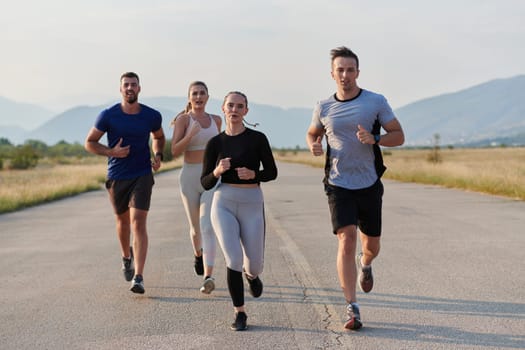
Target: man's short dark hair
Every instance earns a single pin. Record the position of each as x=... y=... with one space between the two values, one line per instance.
x=130 y=75
x=343 y=51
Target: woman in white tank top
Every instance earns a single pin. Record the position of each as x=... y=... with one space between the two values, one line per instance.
x=193 y=127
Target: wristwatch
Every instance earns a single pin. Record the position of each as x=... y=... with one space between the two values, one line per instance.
x=160 y=155
x=377 y=137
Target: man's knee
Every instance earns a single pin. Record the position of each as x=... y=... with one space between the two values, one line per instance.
x=347 y=239
x=371 y=246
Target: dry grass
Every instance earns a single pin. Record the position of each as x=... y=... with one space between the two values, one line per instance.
x=498 y=171
x=49 y=181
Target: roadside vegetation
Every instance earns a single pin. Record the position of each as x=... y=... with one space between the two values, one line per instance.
x=35 y=173
x=496 y=171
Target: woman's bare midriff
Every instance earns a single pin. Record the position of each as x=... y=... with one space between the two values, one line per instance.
x=193 y=157
x=244 y=185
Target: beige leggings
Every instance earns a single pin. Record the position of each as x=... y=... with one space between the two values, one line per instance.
x=197 y=203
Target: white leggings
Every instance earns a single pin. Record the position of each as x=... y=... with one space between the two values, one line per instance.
x=237 y=216
x=197 y=203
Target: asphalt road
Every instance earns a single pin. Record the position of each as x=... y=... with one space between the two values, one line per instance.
x=450 y=275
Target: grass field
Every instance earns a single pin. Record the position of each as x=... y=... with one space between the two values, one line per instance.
x=50 y=181
x=498 y=171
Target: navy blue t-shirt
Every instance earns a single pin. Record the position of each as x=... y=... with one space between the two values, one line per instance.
x=134 y=129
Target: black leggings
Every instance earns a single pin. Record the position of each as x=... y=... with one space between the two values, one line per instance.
x=236 y=287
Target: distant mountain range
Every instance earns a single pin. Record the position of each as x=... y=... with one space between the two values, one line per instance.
x=17 y=118
x=478 y=115
x=489 y=113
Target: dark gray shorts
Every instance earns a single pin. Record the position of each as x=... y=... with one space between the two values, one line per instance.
x=134 y=193
x=356 y=207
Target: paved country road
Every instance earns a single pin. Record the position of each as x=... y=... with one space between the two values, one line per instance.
x=450 y=275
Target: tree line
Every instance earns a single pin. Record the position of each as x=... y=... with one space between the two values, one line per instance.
x=27 y=155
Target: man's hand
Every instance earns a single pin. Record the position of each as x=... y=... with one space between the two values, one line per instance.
x=156 y=162
x=118 y=151
x=317 y=147
x=364 y=136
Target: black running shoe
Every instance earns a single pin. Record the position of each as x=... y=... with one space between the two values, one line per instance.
x=256 y=286
x=353 y=321
x=128 y=268
x=240 y=322
x=137 y=285
x=199 y=265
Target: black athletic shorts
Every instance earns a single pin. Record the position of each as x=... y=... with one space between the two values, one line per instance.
x=356 y=207
x=134 y=193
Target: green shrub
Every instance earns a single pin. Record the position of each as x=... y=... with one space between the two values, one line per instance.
x=24 y=157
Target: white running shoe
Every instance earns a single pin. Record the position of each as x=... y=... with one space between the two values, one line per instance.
x=208 y=286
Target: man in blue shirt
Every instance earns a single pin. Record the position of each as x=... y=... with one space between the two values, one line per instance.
x=129 y=125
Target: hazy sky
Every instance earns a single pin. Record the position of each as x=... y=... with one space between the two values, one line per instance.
x=63 y=52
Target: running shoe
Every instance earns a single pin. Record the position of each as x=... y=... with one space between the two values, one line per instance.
x=353 y=321
x=199 y=265
x=240 y=322
x=365 y=277
x=208 y=286
x=128 y=268
x=256 y=286
x=137 y=285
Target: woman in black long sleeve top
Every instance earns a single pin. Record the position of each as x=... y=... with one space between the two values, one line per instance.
x=235 y=157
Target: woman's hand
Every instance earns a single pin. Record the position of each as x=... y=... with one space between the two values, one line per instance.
x=222 y=166
x=245 y=173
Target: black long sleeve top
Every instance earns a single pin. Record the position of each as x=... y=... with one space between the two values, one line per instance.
x=249 y=149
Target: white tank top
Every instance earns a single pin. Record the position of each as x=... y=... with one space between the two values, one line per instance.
x=199 y=141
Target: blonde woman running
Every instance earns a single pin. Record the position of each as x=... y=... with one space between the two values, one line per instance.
x=193 y=127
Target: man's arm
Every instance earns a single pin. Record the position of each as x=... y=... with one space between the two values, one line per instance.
x=159 y=140
x=314 y=137
x=93 y=145
x=157 y=145
x=394 y=134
